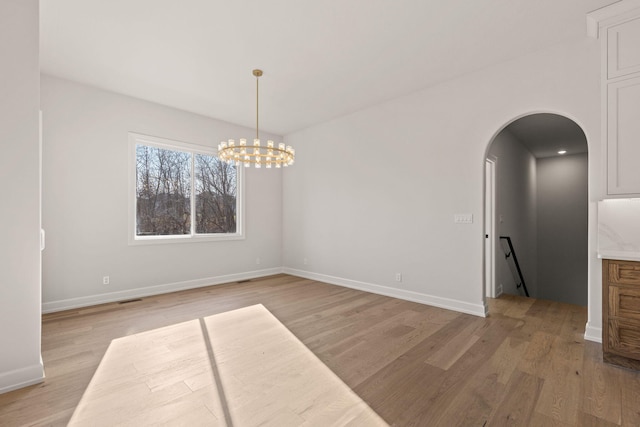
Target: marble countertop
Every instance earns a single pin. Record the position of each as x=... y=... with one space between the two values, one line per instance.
x=619 y=229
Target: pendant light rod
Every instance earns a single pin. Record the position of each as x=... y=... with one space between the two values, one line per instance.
x=257 y=73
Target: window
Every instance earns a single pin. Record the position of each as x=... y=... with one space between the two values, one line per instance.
x=181 y=192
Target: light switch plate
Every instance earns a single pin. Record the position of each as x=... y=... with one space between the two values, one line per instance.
x=463 y=218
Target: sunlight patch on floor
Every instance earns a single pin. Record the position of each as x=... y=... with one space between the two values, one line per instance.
x=239 y=368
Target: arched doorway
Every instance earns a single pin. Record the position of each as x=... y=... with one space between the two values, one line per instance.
x=539 y=198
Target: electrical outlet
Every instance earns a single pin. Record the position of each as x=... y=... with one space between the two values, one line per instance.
x=105 y=280
x=258 y=260
x=398 y=277
x=305 y=261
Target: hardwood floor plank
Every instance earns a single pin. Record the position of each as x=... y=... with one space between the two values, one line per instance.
x=507 y=357
x=601 y=386
x=520 y=399
x=588 y=420
x=476 y=399
x=558 y=401
x=456 y=347
x=539 y=420
x=537 y=356
x=562 y=376
x=630 y=391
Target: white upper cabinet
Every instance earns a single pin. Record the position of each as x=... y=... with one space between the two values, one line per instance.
x=618 y=27
x=623 y=49
x=623 y=137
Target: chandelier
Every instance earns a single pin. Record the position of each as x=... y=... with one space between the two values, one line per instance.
x=268 y=155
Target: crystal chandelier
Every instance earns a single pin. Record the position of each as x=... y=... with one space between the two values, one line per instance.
x=256 y=154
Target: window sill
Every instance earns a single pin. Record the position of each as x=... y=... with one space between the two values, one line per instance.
x=164 y=240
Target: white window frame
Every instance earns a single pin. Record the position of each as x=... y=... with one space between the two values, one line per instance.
x=154 y=141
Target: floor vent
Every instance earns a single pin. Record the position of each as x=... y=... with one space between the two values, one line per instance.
x=243 y=281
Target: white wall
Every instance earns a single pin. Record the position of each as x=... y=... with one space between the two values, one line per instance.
x=85 y=206
x=20 y=363
x=374 y=193
x=562 y=228
x=516 y=213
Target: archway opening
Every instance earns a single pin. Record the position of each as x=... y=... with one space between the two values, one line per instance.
x=538 y=198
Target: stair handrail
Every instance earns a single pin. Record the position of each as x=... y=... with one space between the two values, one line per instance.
x=515 y=261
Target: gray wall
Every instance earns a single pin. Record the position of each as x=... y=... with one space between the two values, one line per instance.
x=515 y=211
x=562 y=228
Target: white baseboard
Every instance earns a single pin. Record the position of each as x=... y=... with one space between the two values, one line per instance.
x=71 y=303
x=449 y=304
x=22 y=377
x=591 y=333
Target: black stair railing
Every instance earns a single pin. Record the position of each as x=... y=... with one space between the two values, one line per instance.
x=511 y=253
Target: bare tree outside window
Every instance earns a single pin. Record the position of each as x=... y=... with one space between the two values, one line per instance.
x=215 y=195
x=163 y=191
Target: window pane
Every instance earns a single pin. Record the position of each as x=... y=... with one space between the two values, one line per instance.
x=215 y=185
x=163 y=191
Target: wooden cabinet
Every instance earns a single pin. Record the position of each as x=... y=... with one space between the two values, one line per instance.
x=621 y=313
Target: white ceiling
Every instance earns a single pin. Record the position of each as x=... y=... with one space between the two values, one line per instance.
x=321 y=59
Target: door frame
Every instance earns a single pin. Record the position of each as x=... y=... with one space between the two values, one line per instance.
x=490 y=226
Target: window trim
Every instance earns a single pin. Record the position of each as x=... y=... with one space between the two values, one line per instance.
x=154 y=141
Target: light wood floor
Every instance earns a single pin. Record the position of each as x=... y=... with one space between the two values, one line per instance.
x=526 y=364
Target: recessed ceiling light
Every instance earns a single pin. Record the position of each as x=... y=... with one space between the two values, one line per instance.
x=562 y=152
